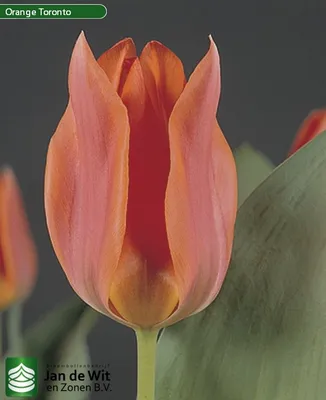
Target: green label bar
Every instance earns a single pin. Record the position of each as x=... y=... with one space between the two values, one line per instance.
x=52 y=11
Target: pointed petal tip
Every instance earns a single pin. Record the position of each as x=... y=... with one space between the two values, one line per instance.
x=213 y=47
x=80 y=45
x=155 y=42
x=6 y=169
x=81 y=62
x=156 y=45
x=128 y=39
x=8 y=176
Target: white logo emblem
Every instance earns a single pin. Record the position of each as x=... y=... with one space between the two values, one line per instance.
x=21 y=379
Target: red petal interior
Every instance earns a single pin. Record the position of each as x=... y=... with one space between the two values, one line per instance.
x=2 y=265
x=149 y=164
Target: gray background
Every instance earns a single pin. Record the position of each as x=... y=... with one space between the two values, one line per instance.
x=273 y=56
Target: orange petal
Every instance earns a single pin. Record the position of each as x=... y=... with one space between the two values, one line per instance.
x=312 y=126
x=143 y=289
x=18 y=252
x=164 y=77
x=86 y=180
x=141 y=293
x=201 y=197
x=112 y=61
x=134 y=95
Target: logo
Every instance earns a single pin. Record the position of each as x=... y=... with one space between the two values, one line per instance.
x=21 y=377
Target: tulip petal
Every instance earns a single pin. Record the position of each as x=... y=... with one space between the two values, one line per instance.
x=134 y=95
x=164 y=77
x=86 y=184
x=2 y=266
x=143 y=290
x=112 y=61
x=314 y=124
x=142 y=293
x=201 y=199
x=18 y=251
x=7 y=284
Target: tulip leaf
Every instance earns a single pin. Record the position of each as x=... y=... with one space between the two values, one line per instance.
x=73 y=352
x=13 y=328
x=253 y=167
x=60 y=339
x=264 y=337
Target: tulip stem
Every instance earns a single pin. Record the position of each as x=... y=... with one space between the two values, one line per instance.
x=2 y=356
x=14 y=334
x=146 y=344
x=1 y=336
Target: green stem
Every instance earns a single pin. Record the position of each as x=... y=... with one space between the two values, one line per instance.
x=2 y=356
x=146 y=344
x=1 y=337
x=14 y=317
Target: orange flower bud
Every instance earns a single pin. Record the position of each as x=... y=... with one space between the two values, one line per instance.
x=140 y=186
x=312 y=126
x=17 y=251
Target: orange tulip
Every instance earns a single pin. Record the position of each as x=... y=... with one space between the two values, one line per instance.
x=17 y=251
x=312 y=126
x=140 y=185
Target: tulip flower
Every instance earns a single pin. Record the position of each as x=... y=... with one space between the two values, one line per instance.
x=17 y=251
x=140 y=184
x=312 y=126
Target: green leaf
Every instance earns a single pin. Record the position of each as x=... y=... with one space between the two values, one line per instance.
x=13 y=328
x=264 y=337
x=59 y=339
x=253 y=167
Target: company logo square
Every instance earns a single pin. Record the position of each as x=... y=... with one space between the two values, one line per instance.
x=21 y=377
